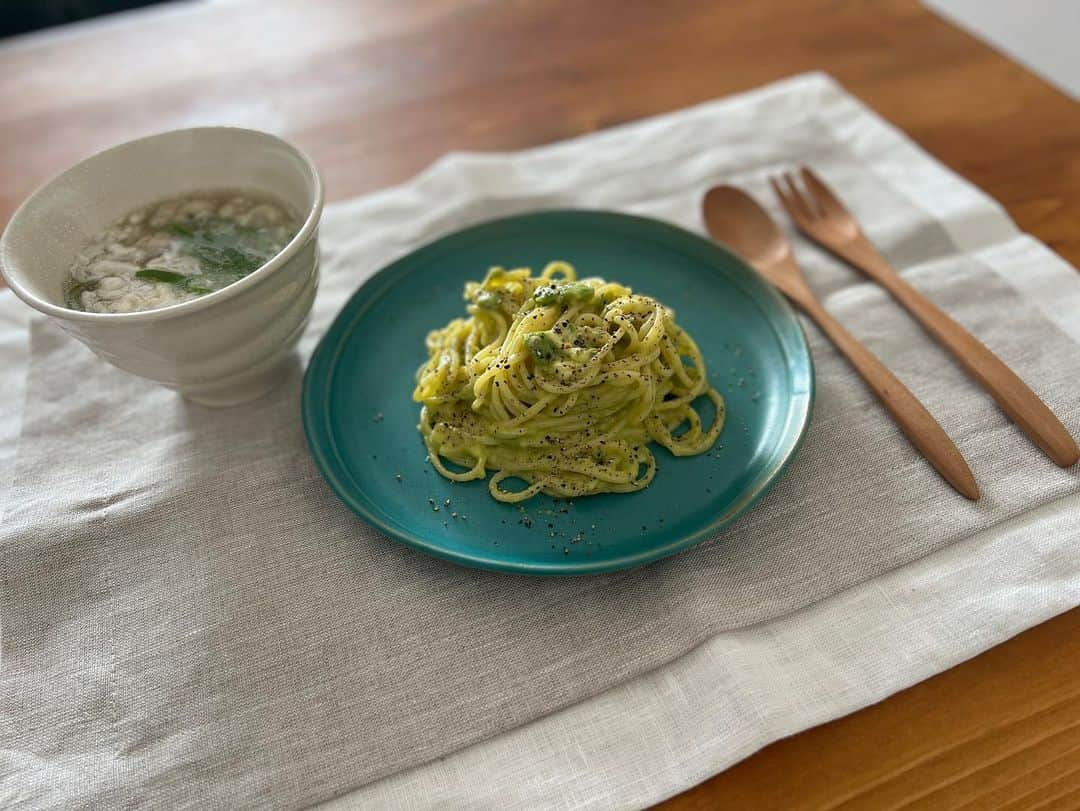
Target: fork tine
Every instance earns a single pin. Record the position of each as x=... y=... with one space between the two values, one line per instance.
x=824 y=196
x=782 y=196
x=805 y=207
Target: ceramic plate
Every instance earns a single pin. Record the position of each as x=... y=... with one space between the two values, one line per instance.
x=361 y=421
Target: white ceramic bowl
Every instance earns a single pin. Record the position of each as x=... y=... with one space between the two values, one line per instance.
x=221 y=349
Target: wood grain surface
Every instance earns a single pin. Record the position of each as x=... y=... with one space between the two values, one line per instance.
x=377 y=89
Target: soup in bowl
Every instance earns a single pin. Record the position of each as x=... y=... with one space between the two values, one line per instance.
x=189 y=258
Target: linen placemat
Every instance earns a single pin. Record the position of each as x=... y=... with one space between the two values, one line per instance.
x=189 y=614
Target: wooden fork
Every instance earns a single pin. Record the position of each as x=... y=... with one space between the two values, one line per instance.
x=820 y=215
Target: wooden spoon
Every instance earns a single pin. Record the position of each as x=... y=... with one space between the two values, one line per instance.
x=734 y=218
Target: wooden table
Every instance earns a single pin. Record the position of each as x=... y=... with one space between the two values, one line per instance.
x=377 y=89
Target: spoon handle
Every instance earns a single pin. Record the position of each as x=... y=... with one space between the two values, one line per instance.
x=914 y=420
x=1012 y=394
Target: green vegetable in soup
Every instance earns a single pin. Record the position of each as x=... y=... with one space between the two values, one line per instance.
x=73 y=294
x=160 y=275
x=225 y=250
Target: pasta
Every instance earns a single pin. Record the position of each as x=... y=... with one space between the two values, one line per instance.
x=561 y=384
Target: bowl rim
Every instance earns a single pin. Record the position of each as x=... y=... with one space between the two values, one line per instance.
x=282 y=257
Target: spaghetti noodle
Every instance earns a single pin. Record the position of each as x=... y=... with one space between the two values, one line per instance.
x=561 y=384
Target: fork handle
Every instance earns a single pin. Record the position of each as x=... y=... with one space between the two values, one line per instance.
x=1012 y=394
x=918 y=425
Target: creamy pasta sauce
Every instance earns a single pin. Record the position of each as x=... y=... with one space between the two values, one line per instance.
x=176 y=250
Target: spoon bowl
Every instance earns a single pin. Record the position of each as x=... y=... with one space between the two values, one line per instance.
x=736 y=219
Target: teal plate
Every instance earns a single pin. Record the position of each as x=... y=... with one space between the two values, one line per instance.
x=361 y=421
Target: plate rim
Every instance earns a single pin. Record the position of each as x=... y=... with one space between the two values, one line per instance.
x=324 y=358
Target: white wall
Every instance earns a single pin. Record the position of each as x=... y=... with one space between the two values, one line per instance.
x=1044 y=35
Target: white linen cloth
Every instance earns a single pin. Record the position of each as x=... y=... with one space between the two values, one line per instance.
x=137 y=660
